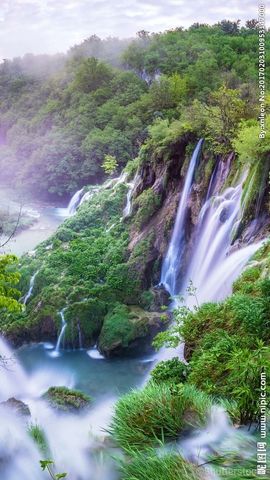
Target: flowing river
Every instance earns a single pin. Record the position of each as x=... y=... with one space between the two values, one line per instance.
x=43 y=218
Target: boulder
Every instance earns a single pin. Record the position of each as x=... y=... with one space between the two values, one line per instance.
x=128 y=330
x=19 y=407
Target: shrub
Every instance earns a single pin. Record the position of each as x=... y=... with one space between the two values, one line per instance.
x=225 y=369
x=146 y=204
x=170 y=371
x=252 y=313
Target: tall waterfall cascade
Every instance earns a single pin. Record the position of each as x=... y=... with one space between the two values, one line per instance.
x=213 y=269
x=171 y=263
x=213 y=266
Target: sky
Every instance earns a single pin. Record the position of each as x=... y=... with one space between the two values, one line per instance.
x=51 y=26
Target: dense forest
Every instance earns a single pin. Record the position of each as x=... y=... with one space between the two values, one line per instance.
x=167 y=248
x=61 y=116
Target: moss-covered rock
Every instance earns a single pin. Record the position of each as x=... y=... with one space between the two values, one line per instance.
x=84 y=322
x=67 y=400
x=145 y=206
x=127 y=329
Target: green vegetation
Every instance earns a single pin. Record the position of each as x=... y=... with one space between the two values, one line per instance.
x=227 y=344
x=170 y=371
x=99 y=113
x=121 y=327
x=110 y=164
x=146 y=205
x=64 y=119
x=149 y=465
x=48 y=466
x=8 y=279
x=39 y=437
x=146 y=417
x=67 y=400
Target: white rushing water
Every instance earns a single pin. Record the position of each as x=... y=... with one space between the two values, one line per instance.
x=56 y=351
x=128 y=207
x=212 y=268
x=31 y=286
x=219 y=437
x=75 y=202
x=171 y=263
x=70 y=438
x=212 y=265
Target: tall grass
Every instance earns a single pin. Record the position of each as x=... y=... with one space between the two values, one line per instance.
x=158 y=412
x=38 y=436
x=149 y=465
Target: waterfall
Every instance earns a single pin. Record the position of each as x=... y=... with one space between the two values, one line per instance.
x=75 y=202
x=56 y=351
x=213 y=268
x=31 y=286
x=94 y=353
x=128 y=207
x=212 y=265
x=72 y=439
x=171 y=263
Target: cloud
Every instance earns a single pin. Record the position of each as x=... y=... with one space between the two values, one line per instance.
x=50 y=26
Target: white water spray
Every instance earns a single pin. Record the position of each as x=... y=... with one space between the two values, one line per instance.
x=219 y=437
x=72 y=439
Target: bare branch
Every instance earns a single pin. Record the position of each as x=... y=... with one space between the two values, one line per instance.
x=14 y=230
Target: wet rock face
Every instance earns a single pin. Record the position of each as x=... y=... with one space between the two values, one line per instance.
x=19 y=407
x=160 y=298
x=45 y=329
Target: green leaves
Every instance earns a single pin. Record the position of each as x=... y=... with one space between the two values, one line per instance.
x=9 y=278
x=47 y=465
x=109 y=164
